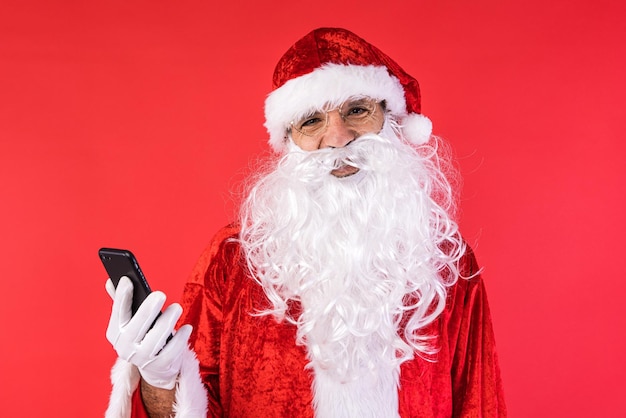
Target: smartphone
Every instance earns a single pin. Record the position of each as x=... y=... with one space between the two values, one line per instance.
x=120 y=263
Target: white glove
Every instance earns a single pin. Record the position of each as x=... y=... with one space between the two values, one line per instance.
x=159 y=361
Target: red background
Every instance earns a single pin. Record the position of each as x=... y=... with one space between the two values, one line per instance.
x=130 y=124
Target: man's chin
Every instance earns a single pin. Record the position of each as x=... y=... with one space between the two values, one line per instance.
x=344 y=171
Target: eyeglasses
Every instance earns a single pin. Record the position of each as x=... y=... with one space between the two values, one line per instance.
x=357 y=113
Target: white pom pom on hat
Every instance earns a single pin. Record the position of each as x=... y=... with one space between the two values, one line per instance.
x=417 y=128
x=329 y=65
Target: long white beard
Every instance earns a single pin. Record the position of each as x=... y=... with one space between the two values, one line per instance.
x=361 y=254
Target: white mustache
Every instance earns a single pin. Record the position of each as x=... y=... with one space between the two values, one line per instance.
x=357 y=153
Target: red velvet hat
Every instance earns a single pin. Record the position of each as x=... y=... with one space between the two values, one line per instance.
x=329 y=65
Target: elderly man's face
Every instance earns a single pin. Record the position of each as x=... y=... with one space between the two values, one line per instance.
x=336 y=128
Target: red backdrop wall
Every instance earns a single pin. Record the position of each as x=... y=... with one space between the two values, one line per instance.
x=130 y=124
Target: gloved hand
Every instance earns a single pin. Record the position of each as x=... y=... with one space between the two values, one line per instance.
x=159 y=360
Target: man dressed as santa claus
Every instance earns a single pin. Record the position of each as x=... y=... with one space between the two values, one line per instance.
x=345 y=289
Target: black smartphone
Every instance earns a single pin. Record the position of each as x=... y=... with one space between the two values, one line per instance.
x=120 y=263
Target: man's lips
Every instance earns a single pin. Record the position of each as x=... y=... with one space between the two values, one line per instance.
x=344 y=171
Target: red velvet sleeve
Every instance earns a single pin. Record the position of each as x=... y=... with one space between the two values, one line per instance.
x=202 y=308
x=138 y=410
x=475 y=373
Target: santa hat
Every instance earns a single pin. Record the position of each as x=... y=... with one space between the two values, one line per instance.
x=329 y=65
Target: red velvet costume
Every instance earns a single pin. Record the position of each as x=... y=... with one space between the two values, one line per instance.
x=252 y=367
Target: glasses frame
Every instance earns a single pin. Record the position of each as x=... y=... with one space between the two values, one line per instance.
x=292 y=124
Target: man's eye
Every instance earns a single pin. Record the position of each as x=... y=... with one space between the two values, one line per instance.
x=357 y=112
x=310 y=122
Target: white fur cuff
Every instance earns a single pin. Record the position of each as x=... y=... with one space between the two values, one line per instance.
x=191 y=395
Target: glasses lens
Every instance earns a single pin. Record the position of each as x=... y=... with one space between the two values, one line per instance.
x=357 y=111
x=311 y=125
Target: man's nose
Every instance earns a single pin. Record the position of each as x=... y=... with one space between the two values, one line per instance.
x=338 y=134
